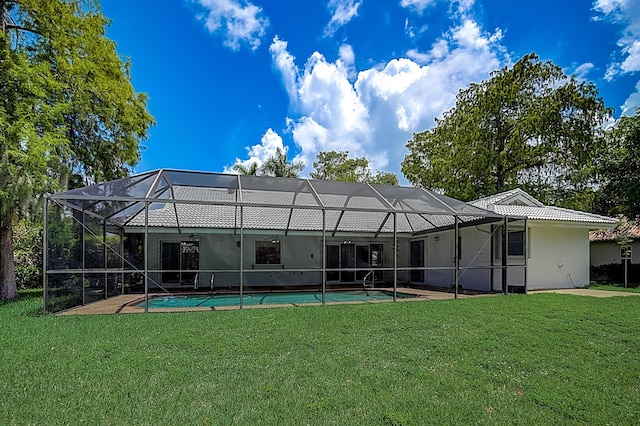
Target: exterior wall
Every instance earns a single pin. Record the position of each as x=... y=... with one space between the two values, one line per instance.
x=475 y=258
x=558 y=257
x=608 y=252
x=220 y=252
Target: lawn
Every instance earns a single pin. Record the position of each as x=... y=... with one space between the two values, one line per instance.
x=615 y=287
x=536 y=359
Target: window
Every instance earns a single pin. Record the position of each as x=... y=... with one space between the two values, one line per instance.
x=178 y=259
x=268 y=252
x=516 y=243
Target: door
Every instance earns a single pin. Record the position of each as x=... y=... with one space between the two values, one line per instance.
x=417 y=261
x=362 y=261
x=333 y=262
x=347 y=261
x=177 y=259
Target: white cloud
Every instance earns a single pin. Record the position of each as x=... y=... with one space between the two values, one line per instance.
x=269 y=144
x=240 y=22
x=347 y=60
x=608 y=6
x=627 y=14
x=376 y=114
x=584 y=69
x=632 y=102
x=342 y=11
x=285 y=63
x=419 y=5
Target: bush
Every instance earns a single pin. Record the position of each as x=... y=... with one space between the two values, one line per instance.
x=614 y=273
x=27 y=253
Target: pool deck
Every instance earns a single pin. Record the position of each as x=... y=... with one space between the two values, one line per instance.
x=125 y=304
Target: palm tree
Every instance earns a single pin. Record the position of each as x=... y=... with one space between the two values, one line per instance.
x=278 y=166
x=244 y=170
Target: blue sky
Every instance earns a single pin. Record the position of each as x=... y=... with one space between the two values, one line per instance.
x=229 y=81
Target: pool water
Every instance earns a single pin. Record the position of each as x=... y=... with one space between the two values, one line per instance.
x=208 y=300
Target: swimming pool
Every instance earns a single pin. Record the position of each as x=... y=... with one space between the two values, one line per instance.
x=250 y=299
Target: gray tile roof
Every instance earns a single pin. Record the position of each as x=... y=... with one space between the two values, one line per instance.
x=500 y=203
x=185 y=199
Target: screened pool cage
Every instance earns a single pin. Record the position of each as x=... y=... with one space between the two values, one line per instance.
x=170 y=231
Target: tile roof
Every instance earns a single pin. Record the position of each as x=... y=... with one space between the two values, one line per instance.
x=501 y=204
x=631 y=228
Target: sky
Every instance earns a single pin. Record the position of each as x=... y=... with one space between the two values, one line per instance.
x=230 y=81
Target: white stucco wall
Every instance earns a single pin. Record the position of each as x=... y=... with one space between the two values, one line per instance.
x=559 y=256
x=476 y=256
x=608 y=252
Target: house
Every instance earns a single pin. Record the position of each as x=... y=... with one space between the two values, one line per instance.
x=175 y=230
x=608 y=254
x=554 y=240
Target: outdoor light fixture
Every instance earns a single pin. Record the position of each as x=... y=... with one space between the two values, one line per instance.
x=346 y=242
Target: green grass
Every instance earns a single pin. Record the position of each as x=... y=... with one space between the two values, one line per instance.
x=615 y=287
x=537 y=359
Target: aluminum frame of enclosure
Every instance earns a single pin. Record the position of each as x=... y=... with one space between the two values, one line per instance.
x=184 y=200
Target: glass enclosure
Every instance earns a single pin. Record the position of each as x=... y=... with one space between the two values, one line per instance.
x=172 y=231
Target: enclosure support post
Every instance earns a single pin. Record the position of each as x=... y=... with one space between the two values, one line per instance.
x=241 y=256
x=526 y=254
x=105 y=248
x=456 y=254
x=45 y=249
x=395 y=255
x=84 y=250
x=505 y=255
x=122 y=265
x=146 y=256
x=324 y=256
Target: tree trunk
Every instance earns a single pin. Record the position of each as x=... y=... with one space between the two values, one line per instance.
x=8 y=289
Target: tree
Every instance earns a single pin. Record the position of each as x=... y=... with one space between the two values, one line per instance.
x=528 y=126
x=244 y=170
x=620 y=170
x=336 y=165
x=68 y=112
x=384 y=178
x=278 y=166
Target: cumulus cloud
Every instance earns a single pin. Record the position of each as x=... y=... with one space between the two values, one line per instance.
x=627 y=60
x=376 y=114
x=342 y=11
x=627 y=14
x=632 y=102
x=239 y=22
x=259 y=153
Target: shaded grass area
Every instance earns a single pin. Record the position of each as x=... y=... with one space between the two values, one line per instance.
x=537 y=359
x=615 y=287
